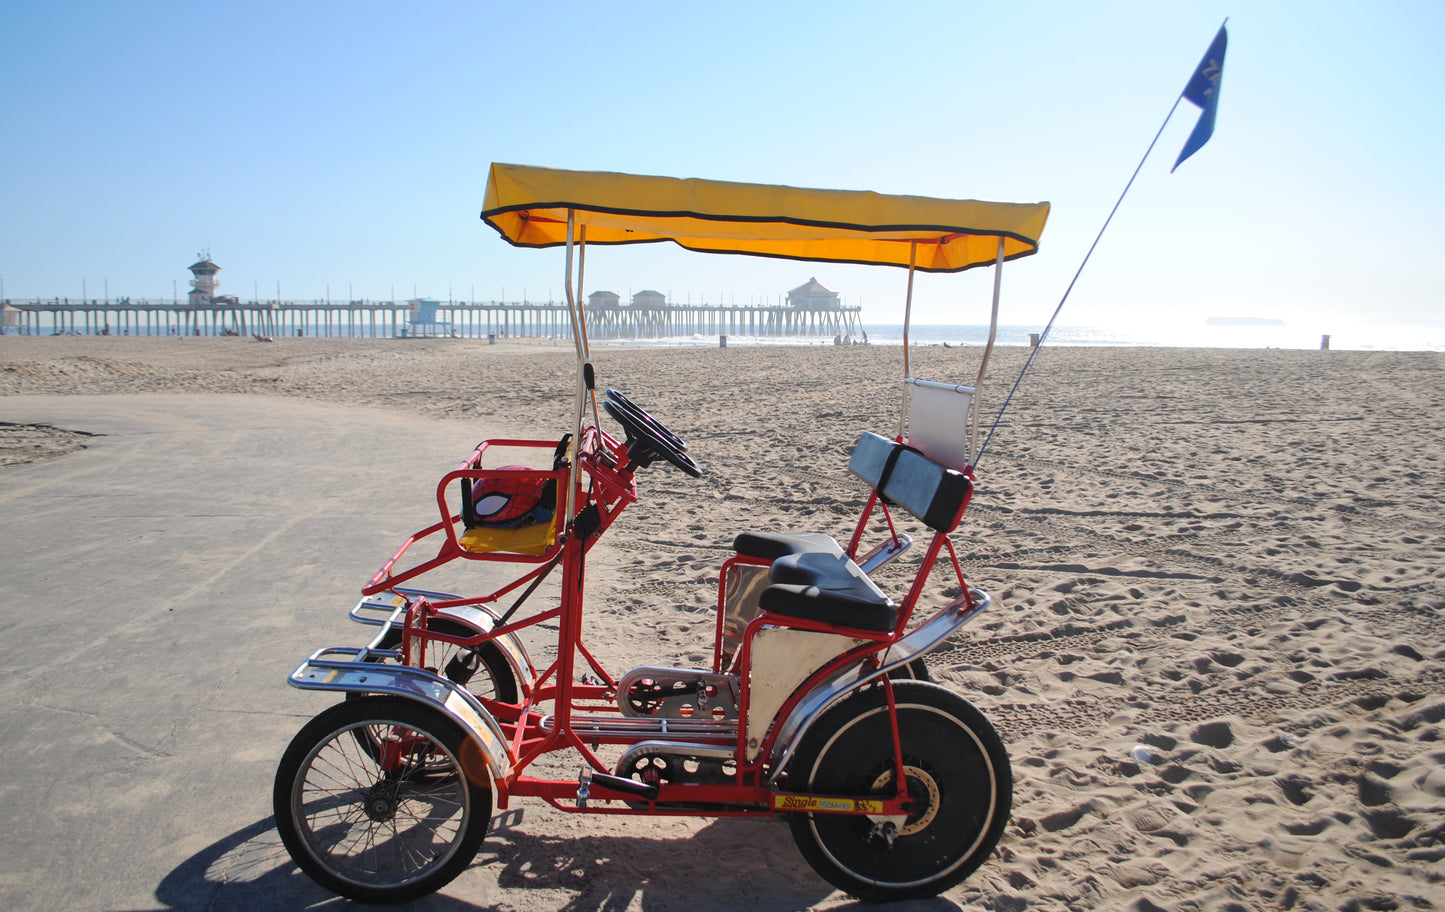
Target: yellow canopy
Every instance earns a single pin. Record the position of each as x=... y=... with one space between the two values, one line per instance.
x=529 y=205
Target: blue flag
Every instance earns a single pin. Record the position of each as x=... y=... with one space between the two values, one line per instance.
x=1203 y=90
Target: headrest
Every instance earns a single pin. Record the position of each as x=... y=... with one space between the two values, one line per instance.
x=933 y=493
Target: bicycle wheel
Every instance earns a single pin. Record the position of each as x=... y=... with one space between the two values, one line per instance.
x=382 y=832
x=490 y=676
x=916 y=670
x=958 y=778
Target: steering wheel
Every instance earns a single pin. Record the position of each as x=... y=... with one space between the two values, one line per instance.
x=648 y=438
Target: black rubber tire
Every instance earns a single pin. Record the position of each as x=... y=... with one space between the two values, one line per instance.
x=913 y=671
x=412 y=830
x=958 y=771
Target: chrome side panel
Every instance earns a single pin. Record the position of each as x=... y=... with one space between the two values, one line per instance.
x=782 y=661
x=743 y=587
x=922 y=640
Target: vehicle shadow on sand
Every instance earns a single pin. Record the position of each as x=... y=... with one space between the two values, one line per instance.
x=726 y=865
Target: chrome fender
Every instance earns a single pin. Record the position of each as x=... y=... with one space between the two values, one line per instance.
x=346 y=669
x=927 y=637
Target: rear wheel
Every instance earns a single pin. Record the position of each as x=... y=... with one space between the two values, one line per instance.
x=958 y=777
x=382 y=829
x=913 y=671
x=484 y=669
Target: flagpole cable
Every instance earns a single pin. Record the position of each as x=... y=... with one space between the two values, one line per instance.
x=1043 y=336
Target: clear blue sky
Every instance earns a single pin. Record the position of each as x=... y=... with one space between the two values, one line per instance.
x=348 y=143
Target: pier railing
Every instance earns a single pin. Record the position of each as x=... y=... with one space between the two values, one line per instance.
x=392 y=319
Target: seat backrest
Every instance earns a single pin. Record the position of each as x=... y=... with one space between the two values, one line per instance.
x=938 y=421
x=934 y=493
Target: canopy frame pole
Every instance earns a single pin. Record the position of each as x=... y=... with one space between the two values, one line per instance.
x=907 y=318
x=908 y=303
x=584 y=367
x=572 y=313
x=987 y=349
x=581 y=287
x=582 y=318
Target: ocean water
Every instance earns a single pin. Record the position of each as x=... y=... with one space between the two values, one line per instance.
x=1200 y=334
x=1360 y=336
x=1351 y=337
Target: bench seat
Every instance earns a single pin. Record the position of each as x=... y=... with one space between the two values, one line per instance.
x=773 y=545
x=830 y=589
x=813 y=579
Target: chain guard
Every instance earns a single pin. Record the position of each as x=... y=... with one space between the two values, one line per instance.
x=677 y=693
x=662 y=763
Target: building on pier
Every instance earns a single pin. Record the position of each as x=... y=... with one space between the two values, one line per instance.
x=813 y=296
x=204 y=283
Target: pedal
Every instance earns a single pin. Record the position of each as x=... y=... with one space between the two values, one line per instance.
x=882 y=836
x=586 y=777
x=646 y=790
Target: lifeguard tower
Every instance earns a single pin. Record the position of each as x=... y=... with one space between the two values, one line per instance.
x=205 y=283
x=423 y=321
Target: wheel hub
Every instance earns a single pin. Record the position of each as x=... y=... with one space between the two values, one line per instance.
x=380 y=804
x=922 y=791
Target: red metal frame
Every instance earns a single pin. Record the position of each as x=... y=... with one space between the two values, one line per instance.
x=533 y=733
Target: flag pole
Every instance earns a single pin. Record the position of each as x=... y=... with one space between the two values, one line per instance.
x=1043 y=336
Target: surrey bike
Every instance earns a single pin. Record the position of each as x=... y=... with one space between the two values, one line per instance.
x=813 y=706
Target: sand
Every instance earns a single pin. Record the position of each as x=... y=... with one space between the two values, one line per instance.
x=1216 y=653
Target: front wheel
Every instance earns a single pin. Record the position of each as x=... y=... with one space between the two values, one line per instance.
x=958 y=777
x=388 y=825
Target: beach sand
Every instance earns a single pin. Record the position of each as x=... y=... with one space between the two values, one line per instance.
x=1217 y=652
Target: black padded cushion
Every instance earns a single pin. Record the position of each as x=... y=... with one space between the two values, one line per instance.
x=904 y=476
x=773 y=545
x=828 y=588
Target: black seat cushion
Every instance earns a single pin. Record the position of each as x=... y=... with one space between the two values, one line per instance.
x=827 y=588
x=773 y=545
x=904 y=476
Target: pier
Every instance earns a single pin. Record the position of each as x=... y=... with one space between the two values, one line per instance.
x=403 y=319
